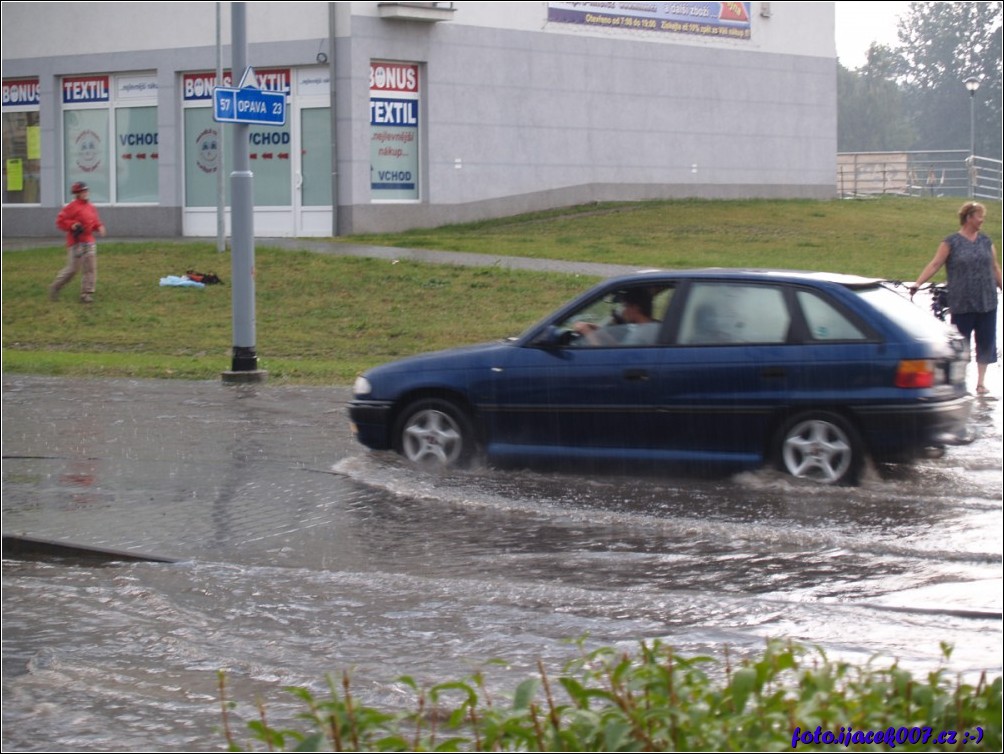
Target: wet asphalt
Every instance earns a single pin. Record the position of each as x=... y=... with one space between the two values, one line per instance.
x=292 y=561
x=160 y=468
x=179 y=470
x=124 y=468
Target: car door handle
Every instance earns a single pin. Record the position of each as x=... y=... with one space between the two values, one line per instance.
x=637 y=375
x=772 y=373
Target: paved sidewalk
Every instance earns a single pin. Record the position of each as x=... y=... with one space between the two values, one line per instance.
x=325 y=246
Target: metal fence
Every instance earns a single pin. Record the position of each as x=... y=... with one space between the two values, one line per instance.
x=938 y=173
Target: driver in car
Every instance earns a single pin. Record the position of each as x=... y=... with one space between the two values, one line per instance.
x=632 y=324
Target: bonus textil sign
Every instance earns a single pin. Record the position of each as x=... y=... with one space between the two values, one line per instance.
x=394 y=97
x=20 y=92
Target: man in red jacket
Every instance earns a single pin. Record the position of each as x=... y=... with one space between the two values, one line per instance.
x=79 y=219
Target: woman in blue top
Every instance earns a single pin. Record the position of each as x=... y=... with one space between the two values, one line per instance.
x=974 y=275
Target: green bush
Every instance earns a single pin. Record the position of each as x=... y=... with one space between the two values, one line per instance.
x=787 y=698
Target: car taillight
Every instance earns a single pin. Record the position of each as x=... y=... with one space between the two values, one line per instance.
x=915 y=373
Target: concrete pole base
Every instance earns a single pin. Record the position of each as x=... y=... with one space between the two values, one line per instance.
x=249 y=377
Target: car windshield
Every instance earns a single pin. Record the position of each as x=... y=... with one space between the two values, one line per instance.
x=916 y=319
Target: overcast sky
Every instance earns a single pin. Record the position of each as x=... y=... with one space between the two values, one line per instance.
x=858 y=24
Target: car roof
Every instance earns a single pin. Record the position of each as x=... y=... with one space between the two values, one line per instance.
x=753 y=274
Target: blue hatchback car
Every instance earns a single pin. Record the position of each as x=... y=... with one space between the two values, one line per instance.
x=807 y=371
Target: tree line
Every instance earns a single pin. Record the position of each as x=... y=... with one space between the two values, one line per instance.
x=912 y=96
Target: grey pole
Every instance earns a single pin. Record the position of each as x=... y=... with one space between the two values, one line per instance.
x=972 y=124
x=972 y=140
x=221 y=204
x=333 y=109
x=244 y=366
x=972 y=84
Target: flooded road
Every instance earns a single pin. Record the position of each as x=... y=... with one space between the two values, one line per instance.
x=302 y=554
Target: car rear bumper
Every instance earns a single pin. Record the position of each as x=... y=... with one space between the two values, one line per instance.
x=911 y=429
x=370 y=420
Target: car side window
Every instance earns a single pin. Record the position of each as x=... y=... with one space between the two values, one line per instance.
x=625 y=318
x=734 y=313
x=825 y=321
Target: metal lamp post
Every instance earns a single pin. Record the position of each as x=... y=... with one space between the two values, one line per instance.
x=972 y=84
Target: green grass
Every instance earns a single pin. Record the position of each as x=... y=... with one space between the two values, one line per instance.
x=321 y=319
x=887 y=237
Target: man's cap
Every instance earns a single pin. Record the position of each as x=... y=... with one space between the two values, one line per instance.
x=77 y=187
x=636 y=296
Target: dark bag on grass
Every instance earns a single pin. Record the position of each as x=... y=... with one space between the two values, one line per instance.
x=206 y=278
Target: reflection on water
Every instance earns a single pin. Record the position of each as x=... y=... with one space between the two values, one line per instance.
x=294 y=567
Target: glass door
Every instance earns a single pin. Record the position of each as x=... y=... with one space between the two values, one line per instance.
x=312 y=195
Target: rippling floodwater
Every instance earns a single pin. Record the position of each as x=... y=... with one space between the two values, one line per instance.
x=301 y=555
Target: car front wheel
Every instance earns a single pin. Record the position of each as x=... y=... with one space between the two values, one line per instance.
x=434 y=432
x=820 y=446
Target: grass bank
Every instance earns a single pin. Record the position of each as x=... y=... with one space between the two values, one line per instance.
x=321 y=319
x=889 y=237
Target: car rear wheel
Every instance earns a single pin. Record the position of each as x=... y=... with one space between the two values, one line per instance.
x=820 y=446
x=434 y=432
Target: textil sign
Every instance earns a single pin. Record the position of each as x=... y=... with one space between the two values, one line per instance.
x=80 y=90
x=394 y=98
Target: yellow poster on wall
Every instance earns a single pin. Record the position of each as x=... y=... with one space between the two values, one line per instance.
x=15 y=175
x=34 y=138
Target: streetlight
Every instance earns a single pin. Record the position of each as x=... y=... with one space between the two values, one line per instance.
x=972 y=84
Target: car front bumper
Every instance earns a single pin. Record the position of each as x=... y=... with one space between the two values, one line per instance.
x=370 y=423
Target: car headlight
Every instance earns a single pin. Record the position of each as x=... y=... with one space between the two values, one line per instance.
x=362 y=386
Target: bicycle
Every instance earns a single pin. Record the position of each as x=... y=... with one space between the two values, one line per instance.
x=939 y=296
x=939 y=300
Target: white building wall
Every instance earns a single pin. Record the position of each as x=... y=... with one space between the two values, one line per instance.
x=790 y=28
x=519 y=113
x=43 y=29
x=554 y=114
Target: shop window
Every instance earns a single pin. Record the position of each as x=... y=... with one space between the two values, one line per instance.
x=85 y=149
x=203 y=153
x=111 y=138
x=22 y=174
x=208 y=144
x=22 y=142
x=394 y=126
x=269 y=154
x=137 y=154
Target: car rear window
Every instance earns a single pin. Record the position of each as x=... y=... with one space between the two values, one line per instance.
x=825 y=322
x=915 y=318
